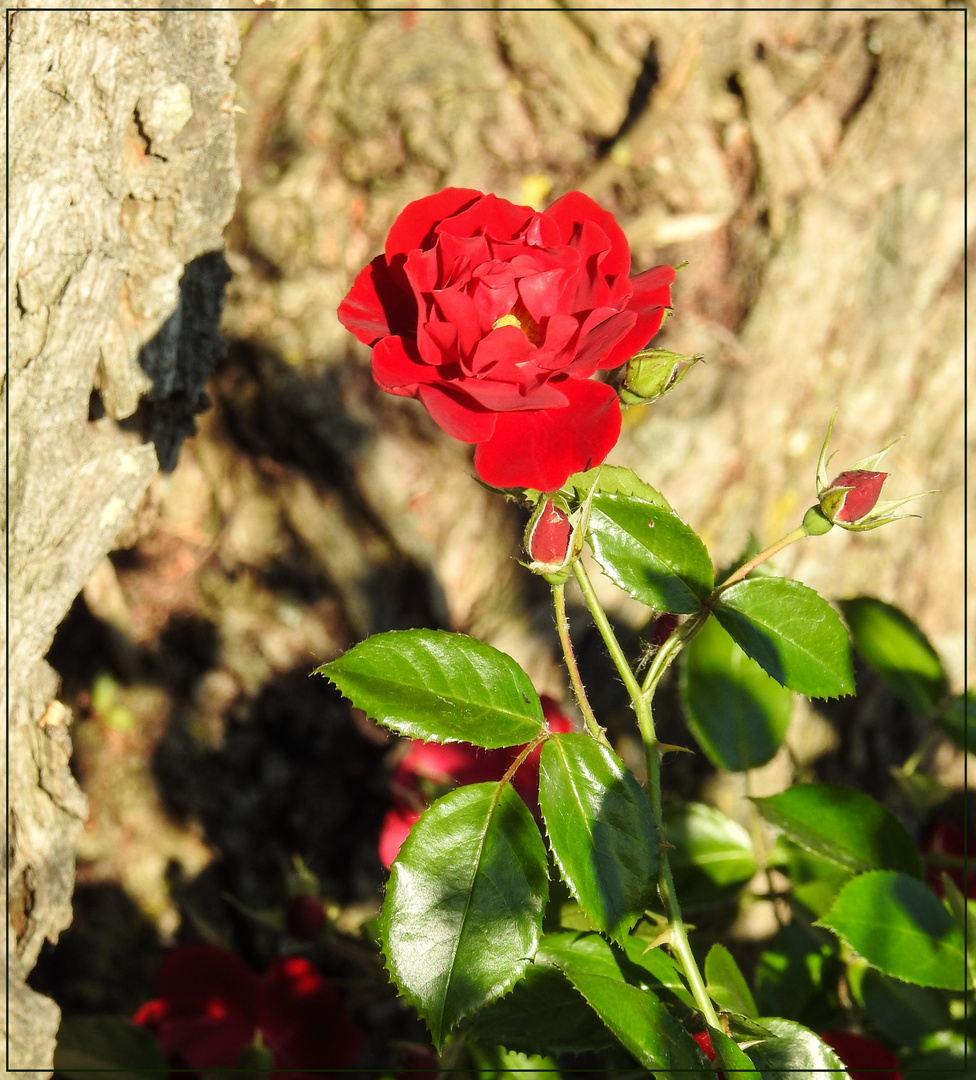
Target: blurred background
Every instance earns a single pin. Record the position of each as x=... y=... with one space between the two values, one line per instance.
x=808 y=169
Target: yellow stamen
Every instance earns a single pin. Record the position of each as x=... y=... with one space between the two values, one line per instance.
x=520 y=317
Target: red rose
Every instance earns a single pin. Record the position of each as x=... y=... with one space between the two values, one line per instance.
x=496 y=317
x=211 y=1008
x=864 y=1058
x=430 y=769
x=855 y=1051
x=944 y=836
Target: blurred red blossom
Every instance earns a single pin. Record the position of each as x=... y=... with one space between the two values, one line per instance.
x=211 y=1008
x=428 y=770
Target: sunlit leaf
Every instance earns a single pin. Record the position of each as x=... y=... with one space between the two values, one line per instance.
x=428 y=684
x=463 y=910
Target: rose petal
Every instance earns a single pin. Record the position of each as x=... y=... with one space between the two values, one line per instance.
x=652 y=294
x=414 y=228
x=600 y=340
x=376 y=306
x=575 y=208
x=398 y=369
x=457 y=414
x=494 y=218
x=397 y=823
x=303 y=1020
x=541 y=449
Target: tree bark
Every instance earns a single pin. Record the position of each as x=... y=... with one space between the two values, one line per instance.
x=122 y=175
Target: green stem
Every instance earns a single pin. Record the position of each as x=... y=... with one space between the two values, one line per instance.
x=785 y=541
x=645 y=722
x=562 y=628
x=606 y=630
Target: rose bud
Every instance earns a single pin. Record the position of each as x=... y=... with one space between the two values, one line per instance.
x=852 y=499
x=652 y=373
x=852 y=496
x=549 y=536
x=305 y=917
x=415 y=1062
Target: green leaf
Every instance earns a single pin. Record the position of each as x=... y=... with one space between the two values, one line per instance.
x=463 y=910
x=650 y=553
x=107 y=1048
x=964 y=912
x=601 y=830
x=711 y=852
x=428 y=684
x=898 y=651
x=793 y=1053
x=898 y=925
x=738 y=714
x=666 y=978
x=953 y=720
x=542 y=1015
x=791 y=632
x=614 y=480
x=843 y=825
x=632 y=1012
x=726 y=984
x=905 y=1013
x=727 y=1053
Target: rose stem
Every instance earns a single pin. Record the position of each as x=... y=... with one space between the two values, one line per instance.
x=785 y=541
x=645 y=722
x=562 y=628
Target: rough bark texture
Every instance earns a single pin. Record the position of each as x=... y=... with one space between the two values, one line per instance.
x=122 y=176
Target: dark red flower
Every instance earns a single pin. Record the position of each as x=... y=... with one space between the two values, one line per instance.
x=305 y=916
x=211 y=1008
x=428 y=770
x=864 y=1058
x=947 y=837
x=496 y=317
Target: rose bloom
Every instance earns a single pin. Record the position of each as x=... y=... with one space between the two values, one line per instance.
x=429 y=770
x=211 y=1008
x=497 y=316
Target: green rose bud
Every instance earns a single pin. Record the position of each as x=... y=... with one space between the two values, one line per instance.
x=652 y=373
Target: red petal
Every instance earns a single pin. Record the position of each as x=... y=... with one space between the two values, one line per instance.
x=597 y=346
x=397 y=823
x=303 y=1020
x=207 y=1010
x=859 y=1053
x=541 y=449
x=398 y=369
x=416 y=222
x=497 y=219
x=455 y=413
x=575 y=208
x=652 y=294
x=376 y=306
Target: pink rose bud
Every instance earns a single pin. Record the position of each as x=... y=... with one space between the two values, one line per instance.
x=852 y=495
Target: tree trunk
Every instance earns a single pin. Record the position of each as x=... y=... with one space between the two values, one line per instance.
x=122 y=176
